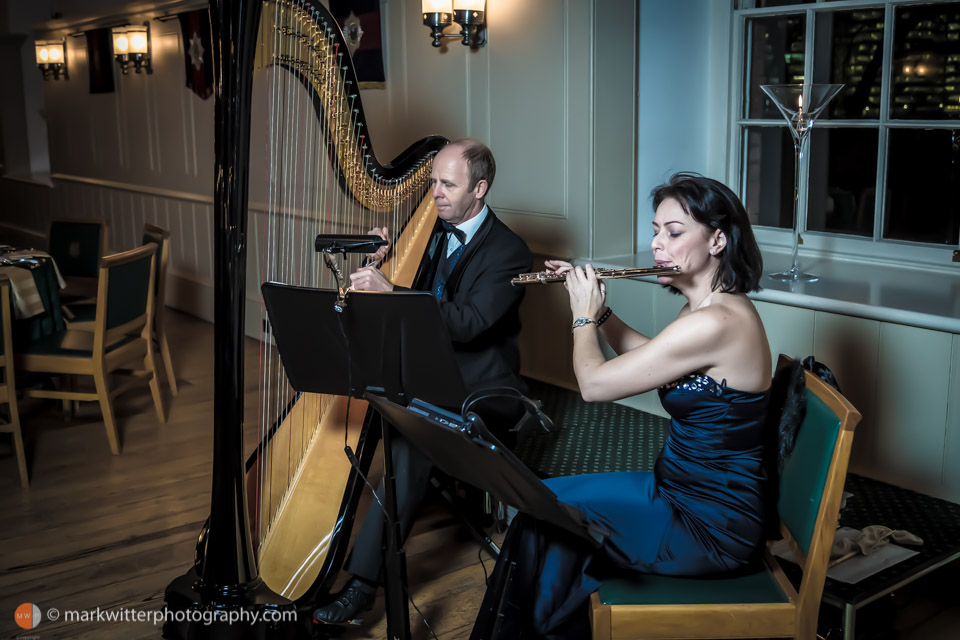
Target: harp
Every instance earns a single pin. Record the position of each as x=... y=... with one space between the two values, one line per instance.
x=279 y=520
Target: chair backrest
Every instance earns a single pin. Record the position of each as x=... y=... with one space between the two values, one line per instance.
x=161 y=238
x=77 y=244
x=124 y=293
x=811 y=482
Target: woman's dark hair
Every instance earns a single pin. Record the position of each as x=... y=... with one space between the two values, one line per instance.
x=714 y=205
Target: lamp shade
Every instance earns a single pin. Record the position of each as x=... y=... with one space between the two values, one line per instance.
x=138 y=39
x=470 y=5
x=437 y=6
x=49 y=52
x=43 y=53
x=121 y=43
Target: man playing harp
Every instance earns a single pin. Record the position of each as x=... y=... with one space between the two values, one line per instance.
x=468 y=266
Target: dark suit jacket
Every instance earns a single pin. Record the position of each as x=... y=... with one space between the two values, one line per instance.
x=481 y=310
x=480 y=307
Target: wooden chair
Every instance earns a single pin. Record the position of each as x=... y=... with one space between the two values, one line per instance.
x=8 y=391
x=122 y=333
x=161 y=238
x=82 y=314
x=77 y=245
x=760 y=603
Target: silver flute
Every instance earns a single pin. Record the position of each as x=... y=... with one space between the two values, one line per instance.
x=544 y=277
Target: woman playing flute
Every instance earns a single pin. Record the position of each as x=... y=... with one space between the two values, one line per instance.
x=700 y=511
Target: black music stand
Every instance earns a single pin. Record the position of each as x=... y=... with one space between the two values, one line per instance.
x=380 y=339
x=465 y=449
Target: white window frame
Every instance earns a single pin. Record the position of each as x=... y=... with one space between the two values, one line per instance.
x=819 y=243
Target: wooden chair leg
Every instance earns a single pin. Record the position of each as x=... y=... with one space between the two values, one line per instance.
x=150 y=363
x=167 y=362
x=18 y=443
x=103 y=395
x=70 y=407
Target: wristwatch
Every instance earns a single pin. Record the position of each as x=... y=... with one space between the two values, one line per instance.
x=579 y=322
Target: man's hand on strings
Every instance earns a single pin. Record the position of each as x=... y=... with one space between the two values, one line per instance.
x=369 y=278
x=381 y=253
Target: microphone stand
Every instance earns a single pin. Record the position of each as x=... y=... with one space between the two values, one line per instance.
x=330 y=244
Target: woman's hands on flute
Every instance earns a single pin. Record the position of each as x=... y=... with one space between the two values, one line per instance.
x=557 y=266
x=587 y=293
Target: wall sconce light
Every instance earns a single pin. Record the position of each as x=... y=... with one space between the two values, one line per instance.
x=469 y=14
x=52 y=59
x=131 y=45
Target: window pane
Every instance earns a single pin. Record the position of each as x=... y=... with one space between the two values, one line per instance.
x=843 y=177
x=923 y=185
x=768 y=169
x=926 y=62
x=849 y=47
x=760 y=4
x=774 y=56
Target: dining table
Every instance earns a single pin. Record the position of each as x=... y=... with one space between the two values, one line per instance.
x=35 y=284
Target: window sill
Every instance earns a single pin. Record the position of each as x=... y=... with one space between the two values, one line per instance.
x=898 y=294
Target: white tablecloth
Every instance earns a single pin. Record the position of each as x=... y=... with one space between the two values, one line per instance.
x=26 y=298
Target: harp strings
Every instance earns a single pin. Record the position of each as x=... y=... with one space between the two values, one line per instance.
x=320 y=177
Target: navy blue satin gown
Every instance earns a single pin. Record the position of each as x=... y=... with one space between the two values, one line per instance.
x=699 y=512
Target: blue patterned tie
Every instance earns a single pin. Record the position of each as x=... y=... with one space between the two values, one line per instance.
x=447 y=263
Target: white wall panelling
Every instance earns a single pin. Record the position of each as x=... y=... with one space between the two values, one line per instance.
x=849 y=346
x=951 y=443
x=913 y=377
x=530 y=93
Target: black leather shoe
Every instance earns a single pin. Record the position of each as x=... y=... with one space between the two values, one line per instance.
x=355 y=597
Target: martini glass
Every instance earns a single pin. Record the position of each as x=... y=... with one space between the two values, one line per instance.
x=800 y=104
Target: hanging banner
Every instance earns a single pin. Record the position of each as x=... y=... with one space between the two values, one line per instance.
x=197 y=51
x=360 y=22
x=100 y=60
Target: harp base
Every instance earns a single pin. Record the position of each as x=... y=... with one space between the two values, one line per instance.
x=249 y=612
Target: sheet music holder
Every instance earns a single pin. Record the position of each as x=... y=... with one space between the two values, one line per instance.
x=382 y=340
x=466 y=450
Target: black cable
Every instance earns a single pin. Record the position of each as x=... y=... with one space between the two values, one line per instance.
x=533 y=407
x=486 y=578
x=346 y=422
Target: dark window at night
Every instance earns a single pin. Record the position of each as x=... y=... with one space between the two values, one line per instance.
x=884 y=157
x=926 y=63
x=775 y=56
x=768 y=166
x=923 y=186
x=843 y=179
x=854 y=40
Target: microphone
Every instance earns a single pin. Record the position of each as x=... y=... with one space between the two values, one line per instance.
x=349 y=243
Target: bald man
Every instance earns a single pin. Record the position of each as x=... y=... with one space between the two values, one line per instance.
x=470 y=260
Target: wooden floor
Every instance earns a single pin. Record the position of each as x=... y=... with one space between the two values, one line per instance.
x=110 y=532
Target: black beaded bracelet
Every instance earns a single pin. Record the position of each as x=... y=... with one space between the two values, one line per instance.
x=603 y=318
